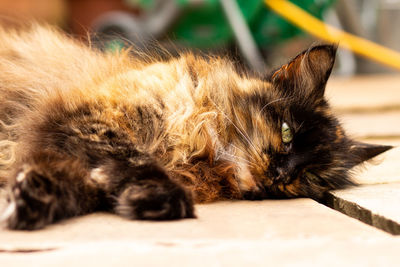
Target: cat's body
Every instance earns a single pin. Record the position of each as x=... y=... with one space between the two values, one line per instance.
x=84 y=131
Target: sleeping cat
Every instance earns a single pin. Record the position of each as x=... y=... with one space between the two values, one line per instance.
x=83 y=131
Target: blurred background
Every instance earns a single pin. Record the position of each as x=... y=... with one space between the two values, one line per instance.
x=246 y=29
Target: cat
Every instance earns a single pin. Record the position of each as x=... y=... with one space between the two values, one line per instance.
x=83 y=131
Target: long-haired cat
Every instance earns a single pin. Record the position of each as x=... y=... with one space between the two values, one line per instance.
x=83 y=131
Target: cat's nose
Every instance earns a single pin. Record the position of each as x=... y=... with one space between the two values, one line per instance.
x=280 y=171
x=282 y=175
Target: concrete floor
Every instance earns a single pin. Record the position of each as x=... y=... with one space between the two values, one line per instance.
x=279 y=232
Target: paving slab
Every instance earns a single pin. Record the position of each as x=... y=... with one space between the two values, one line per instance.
x=364 y=93
x=280 y=232
x=377 y=205
x=376 y=201
x=368 y=106
x=384 y=168
x=312 y=252
x=382 y=124
x=250 y=220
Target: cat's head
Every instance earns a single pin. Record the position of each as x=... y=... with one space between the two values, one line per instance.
x=295 y=145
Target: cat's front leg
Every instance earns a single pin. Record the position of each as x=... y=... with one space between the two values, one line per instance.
x=48 y=188
x=152 y=199
x=32 y=201
x=144 y=191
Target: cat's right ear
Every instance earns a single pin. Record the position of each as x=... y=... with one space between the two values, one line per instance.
x=306 y=75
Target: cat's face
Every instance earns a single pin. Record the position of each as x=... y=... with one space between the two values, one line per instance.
x=294 y=144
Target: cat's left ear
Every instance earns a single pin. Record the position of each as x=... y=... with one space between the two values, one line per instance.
x=307 y=73
x=362 y=152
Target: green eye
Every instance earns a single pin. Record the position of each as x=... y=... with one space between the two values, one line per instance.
x=287 y=135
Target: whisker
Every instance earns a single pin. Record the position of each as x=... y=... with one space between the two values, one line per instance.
x=273 y=101
x=301 y=124
x=241 y=150
x=244 y=132
x=238 y=148
x=234 y=156
x=240 y=158
x=234 y=125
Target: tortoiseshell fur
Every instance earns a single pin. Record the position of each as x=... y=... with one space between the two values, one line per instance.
x=84 y=131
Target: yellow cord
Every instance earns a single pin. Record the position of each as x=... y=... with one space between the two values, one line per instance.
x=310 y=24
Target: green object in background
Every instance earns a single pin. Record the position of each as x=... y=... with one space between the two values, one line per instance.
x=202 y=24
x=271 y=28
x=206 y=26
x=114 y=45
x=143 y=4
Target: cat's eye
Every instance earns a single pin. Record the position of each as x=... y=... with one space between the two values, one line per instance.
x=287 y=135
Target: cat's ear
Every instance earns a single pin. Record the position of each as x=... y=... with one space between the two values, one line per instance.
x=307 y=73
x=362 y=152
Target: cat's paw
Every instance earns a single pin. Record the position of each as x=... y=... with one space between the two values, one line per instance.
x=155 y=200
x=31 y=202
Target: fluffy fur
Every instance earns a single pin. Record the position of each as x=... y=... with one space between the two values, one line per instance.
x=83 y=131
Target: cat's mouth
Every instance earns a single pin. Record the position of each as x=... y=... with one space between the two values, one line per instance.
x=290 y=186
x=302 y=175
x=288 y=178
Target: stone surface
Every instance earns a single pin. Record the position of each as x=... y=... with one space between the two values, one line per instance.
x=301 y=252
x=250 y=220
x=372 y=124
x=377 y=205
x=280 y=232
x=384 y=168
x=368 y=106
x=376 y=201
x=364 y=93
